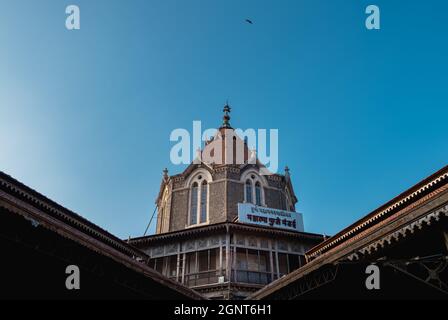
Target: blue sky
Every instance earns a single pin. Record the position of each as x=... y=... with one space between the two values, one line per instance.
x=85 y=116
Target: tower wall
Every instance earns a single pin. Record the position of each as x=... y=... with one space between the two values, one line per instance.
x=225 y=191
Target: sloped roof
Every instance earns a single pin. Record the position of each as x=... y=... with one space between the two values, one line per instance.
x=345 y=242
x=404 y=199
x=21 y=199
x=204 y=158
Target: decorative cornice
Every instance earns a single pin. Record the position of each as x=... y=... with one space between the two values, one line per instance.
x=275 y=177
x=401 y=233
x=213 y=228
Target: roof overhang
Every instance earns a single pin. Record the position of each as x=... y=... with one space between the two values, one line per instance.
x=420 y=206
x=43 y=212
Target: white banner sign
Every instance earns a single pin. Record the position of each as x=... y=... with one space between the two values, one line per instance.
x=268 y=217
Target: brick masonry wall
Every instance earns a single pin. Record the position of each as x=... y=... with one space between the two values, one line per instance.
x=235 y=195
x=224 y=196
x=179 y=209
x=217 y=202
x=274 y=198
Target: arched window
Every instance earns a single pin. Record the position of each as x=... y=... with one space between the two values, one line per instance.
x=204 y=196
x=248 y=191
x=199 y=185
x=254 y=188
x=258 y=194
x=194 y=204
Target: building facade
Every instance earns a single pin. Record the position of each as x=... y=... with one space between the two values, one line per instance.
x=224 y=226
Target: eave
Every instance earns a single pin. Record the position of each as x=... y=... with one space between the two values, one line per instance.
x=410 y=196
x=223 y=227
x=19 y=199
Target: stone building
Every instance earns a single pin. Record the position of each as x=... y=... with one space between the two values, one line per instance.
x=225 y=227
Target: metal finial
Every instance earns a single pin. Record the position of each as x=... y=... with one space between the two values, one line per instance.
x=165 y=173
x=226 y=118
x=287 y=175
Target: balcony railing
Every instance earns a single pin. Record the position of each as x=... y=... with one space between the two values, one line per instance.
x=253 y=277
x=203 y=278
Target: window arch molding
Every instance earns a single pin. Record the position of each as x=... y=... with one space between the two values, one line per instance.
x=164 y=211
x=195 y=175
x=255 y=184
x=199 y=194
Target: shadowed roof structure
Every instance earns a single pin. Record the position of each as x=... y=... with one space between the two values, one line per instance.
x=40 y=238
x=408 y=236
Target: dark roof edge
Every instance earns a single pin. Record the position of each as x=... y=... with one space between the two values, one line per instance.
x=36 y=199
x=403 y=200
x=120 y=252
x=223 y=226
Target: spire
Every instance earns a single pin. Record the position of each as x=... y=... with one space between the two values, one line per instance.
x=226 y=117
x=165 y=174
x=287 y=174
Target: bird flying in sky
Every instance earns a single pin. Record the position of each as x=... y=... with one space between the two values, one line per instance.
x=249 y=21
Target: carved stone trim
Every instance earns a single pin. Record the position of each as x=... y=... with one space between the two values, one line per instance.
x=401 y=233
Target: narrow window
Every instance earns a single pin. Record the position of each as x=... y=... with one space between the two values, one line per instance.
x=204 y=192
x=283 y=263
x=194 y=205
x=248 y=191
x=258 y=193
x=203 y=261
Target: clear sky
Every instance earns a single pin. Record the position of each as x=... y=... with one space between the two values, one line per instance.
x=85 y=116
